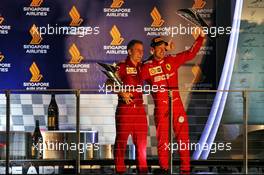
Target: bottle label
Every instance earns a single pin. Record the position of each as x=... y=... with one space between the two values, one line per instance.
x=51 y=121
x=37 y=149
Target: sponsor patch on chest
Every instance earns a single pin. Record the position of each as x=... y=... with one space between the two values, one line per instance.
x=131 y=70
x=155 y=70
x=163 y=77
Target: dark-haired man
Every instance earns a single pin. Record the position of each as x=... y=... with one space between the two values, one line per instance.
x=162 y=70
x=130 y=112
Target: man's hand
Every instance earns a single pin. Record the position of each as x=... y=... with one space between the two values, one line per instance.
x=127 y=97
x=109 y=82
x=198 y=31
x=201 y=32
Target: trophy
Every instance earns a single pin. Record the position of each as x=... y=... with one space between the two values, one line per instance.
x=109 y=71
x=194 y=17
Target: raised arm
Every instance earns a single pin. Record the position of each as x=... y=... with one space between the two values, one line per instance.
x=189 y=54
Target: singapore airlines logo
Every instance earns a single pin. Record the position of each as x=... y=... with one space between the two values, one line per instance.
x=157 y=28
x=157 y=20
x=36 y=36
x=115 y=46
x=199 y=4
x=1 y=20
x=6 y=66
x=35 y=9
x=117 y=39
x=1 y=57
x=4 y=29
x=75 y=65
x=116 y=10
x=76 y=57
x=76 y=17
x=117 y=3
x=34 y=70
x=34 y=46
x=36 y=3
x=35 y=82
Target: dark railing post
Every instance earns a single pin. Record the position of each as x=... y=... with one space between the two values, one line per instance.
x=7 y=93
x=171 y=130
x=78 y=170
x=245 y=133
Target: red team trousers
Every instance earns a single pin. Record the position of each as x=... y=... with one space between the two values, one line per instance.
x=130 y=119
x=164 y=74
x=180 y=127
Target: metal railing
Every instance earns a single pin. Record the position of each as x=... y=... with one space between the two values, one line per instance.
x=78 y=92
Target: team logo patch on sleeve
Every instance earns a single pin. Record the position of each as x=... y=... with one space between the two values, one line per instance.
x=181 y=119
x=155 y=70
x=131 y=70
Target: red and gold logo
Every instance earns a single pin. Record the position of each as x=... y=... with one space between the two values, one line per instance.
x=76 y=17
x=76 y=57
x=155 y=70
x=116 y=36
x=199 y=4
x=157 y=19
x=1 y=20
x=1 y=57
x=36 y=36
x=168 y=67
x=36 y=3
x=131 y=70
x=117 y=3
x=35 y=72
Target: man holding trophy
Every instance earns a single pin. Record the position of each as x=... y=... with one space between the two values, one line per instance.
x=130 y=113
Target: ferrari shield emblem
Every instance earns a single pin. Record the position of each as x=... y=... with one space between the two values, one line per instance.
x=168 y=67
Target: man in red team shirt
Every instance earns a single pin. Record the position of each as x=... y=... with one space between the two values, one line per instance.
x=162 y=70
x=130 y=113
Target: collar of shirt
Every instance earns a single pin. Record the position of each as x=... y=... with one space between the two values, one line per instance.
x=155 y=60
x=130 y=64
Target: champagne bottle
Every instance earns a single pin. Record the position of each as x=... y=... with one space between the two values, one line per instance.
x=37 y=143
x=53 y=114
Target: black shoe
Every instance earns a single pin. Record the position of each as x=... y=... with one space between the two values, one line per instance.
x=143 y=173
x=184 y=172
x=120 y=173
x=161 y=171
